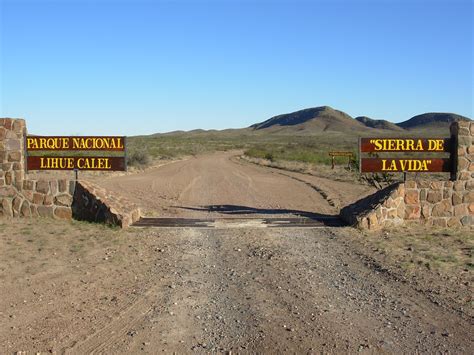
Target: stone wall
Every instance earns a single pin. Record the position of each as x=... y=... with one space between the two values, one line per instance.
x=434 y=203
x=93 y=203
x=38 y=198
x=21 y=196
x=384 y=208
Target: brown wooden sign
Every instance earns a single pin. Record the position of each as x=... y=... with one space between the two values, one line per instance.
x=381 y=145
x=341 y=154
x=96 y=143
x=391 y=165
x=76 y=163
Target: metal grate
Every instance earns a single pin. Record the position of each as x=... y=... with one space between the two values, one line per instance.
x=293 y=222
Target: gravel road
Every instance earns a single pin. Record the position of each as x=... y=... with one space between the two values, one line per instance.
x=80 y=288
x=274 y=291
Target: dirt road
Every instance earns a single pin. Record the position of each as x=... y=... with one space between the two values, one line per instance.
x=80 y=288
x=218 y=185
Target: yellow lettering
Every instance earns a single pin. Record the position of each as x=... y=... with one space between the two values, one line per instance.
x=378 y=144
x=403 y=165
x=436 y=145
x=419 y=145
x=31 y=143
x=391 y=144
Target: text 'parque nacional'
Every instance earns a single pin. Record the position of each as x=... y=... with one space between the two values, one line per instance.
x=75 y=143
x=75 y=161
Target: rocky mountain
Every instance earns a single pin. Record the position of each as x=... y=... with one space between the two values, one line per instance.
x=431 y=120
x=379 y=124
x=318 y=119
x=325 y=118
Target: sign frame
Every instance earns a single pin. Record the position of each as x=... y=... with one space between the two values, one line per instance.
x=112 y=163
x=408 y=145
x=70 y=141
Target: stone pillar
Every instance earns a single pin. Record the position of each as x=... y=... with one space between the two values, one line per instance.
x=463 y=194
x=12 y=152
x=12 y=164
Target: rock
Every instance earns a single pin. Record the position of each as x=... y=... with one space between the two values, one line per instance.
x=442 y=209
x=6 y=207
x=460 y=210
x=62 y=185
x=42 y=186
x=63 y=212
x=434 y=196
x=412 y=197
x=467 y=220
x=46 y=211
x=38 y=198
x=14 y=156
x=412 y=212
x=25 y=209
x=48 y=200
x=17 y=201
x=63 y=200
x=469 y=197
x=457 y=198
x=28 y=185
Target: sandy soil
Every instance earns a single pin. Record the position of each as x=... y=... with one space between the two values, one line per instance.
x=79 y=288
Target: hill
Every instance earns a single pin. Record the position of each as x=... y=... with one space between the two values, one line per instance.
x=431 y=120
x=311 y=120
x=379 y=124
x=322 y=119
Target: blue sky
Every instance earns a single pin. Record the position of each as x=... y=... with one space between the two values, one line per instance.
x=139 y=67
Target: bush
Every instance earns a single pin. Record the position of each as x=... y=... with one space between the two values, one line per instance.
x=269 y=156
x=139 y=158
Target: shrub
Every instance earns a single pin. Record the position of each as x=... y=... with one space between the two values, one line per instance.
x=269 y=156
x=139 y=158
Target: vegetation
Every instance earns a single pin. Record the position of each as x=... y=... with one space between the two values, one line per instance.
x=138 y=158
x=308 y=149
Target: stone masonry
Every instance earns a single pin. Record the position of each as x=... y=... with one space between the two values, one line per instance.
x=55 y=198
x=434 y=203
x=93 y=203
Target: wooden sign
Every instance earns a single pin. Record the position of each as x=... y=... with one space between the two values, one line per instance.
x=350 y=155
x=76 y=143
x=391 y=165
x=93 y=143
x=341 y=154
x=76 y=163
x=368 y=145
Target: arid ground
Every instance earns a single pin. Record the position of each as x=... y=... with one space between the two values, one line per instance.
x=80 y=288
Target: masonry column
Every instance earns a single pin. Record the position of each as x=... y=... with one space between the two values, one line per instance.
x=12 y=162
x=463 y=194
x=12 y=157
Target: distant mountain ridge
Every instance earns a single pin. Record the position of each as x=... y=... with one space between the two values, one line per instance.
x=380 y=124
x=322 y=118
x=325 y=118
x=431 y=118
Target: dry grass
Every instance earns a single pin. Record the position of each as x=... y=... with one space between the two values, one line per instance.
x=448 y=251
